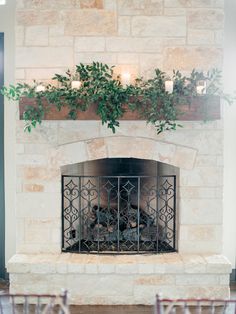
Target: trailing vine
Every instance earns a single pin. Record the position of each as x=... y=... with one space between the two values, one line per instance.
x=99 y=86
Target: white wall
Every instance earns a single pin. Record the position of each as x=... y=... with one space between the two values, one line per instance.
x=229 y=227
x=7 y=21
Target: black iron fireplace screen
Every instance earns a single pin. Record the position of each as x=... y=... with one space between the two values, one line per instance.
x=118 y=214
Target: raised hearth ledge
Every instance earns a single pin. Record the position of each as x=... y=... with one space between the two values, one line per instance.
x=121 y=279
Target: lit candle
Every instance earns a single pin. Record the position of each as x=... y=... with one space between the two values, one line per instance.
x=125 y=78
x=169 y=85
x=201 y=87
x=76 y=84
x=40 y=88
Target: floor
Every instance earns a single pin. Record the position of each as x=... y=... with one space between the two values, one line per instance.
x=139 y=309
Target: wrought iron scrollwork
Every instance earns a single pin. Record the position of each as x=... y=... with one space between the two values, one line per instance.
x=118 y=214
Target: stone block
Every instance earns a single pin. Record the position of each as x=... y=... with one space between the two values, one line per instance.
x=200 y=212
x=62 y=263
x=126 y=268
x=206 y=160
x=56 y=30
x=201 y=177
x=91 y=4
x=196 y=280
x=72 y=131
x=37 y=17
x=200 y=37
x=201 y=232
x=20 y=74
x=39 y=205
x=118 y=147
x=36 y=35
x=133 y=44
x=90 y=23
x=173 y=263
x=217 y=264
x=140 y=7
x=40 y=173
x=124 y=26
x=52 y=4
x=89 y=57
x=43 y=268
x=89 y=44
x=199 y=247
x=76 y=268
x=43 y=73
x=154 y=280
x=40 y=248
x=19 y=148
x=184 y=157
x=148 y=62
x=31 y=160
x=102 y=285
x=96 y=149
x=61 y=41
x=91 y=268
x=206 y=140
x=224 y=279
x=42 y=57
x=128 y=58
x=194 y=264
x=19 y=263
x=205 y=18
x=110 y=5
x=37 y=149
x=187 y=58
x=164 y=152
x=203 y=3
x=19 y=35
x=175 y=11
x=33 y=188
x=178 y=3
x=219 y=37
x=144 y=26
x=106 y=268
x=146 y=268
x=66 y=154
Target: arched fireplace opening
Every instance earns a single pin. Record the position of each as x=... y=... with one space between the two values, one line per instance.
x=119 y=206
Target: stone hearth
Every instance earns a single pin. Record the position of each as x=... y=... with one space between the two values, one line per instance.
x=122 y=279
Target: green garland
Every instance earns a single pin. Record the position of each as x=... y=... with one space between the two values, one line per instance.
x=148 y=97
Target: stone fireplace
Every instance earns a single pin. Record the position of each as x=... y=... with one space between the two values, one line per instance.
x=195 y=269
x=138 y=35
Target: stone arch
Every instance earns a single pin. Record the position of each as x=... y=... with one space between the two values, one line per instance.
x=126 y=147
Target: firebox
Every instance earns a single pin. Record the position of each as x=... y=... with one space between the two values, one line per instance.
x=118 y=205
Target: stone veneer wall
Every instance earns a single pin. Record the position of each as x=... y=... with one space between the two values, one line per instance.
x=137 y=35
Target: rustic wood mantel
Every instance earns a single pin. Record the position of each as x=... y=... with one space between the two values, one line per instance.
x=201 y=108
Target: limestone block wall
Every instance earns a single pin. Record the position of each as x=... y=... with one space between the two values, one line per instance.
x=135 y=35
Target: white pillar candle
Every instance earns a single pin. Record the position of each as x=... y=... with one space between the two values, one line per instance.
x=76 y=84
x=169 y=85
x=125 y=78
x=40 y=88
x=201 y=87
